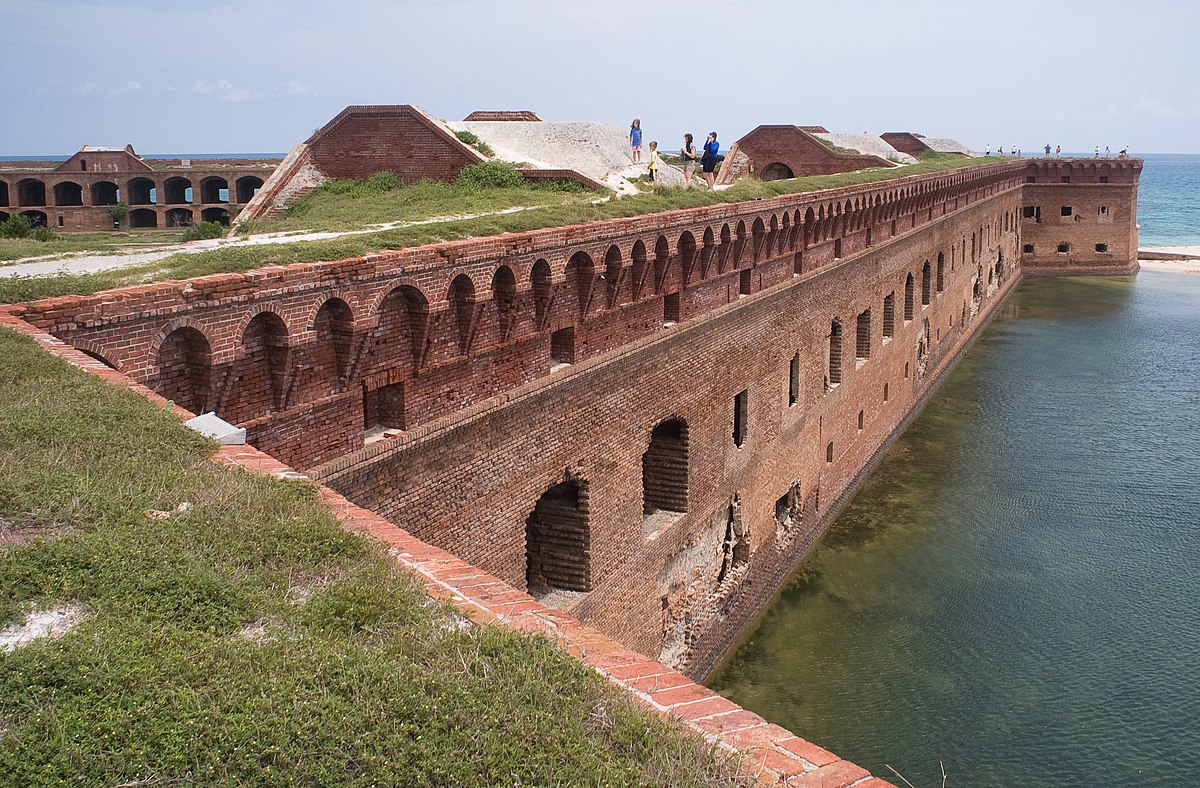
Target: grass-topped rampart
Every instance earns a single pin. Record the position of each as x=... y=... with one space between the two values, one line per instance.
x=249 y=639
x=345 y=204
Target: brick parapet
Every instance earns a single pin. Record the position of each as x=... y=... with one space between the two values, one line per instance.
x=774 y=755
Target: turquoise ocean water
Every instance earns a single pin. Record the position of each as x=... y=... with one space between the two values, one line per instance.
x=1015 y=592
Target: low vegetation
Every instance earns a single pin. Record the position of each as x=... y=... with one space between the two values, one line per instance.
x=248 y=639
x=342 y=206
x=472 y=139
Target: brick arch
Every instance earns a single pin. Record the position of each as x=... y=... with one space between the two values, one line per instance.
x=708 y=248
x=461 y=299
x=183 y=363
x=93 y=350
x=403 y=310
x=758 y=235
x=541 y=282
x=662 y=262
x=332 y=330
x=686 y=249
x=739 y=243
x=260 y=309
x=724 y=248
x=371 y=310
x=505 y=304
x=348 y=297
x=665 y=467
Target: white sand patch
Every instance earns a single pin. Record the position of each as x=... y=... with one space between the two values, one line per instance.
x=868 y=144
x=55 y=622
x=1183 y=266
x=256 y=632
x=946 y=145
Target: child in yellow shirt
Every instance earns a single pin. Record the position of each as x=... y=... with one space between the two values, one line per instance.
x=654 y=162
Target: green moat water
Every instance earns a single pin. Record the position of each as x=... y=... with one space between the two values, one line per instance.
x=1015 y=591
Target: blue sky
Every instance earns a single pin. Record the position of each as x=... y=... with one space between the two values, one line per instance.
x=260 y=75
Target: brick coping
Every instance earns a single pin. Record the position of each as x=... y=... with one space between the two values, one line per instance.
x=774 y=755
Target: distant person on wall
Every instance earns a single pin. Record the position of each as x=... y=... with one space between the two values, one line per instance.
x=1096 y=152
x=1001 y=151
x=654 y=162
x=1107 y=152
x=708 y=162
x=687 y=155
x=635 y=140
x=988 y=151
x=1047 y=150
x=1124 y=154
x=1058 y=151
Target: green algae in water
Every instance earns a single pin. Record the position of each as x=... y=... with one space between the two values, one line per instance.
x=1012 y=592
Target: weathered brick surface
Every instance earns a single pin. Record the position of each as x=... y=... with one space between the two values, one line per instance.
x=796 y=149
x=363 y=140
x=772 y=754
x=526 y=363
x=74 y=194
x=1100 y=233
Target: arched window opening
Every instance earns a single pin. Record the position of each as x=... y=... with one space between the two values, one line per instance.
x=68 y=193
x=862 y=345
x=638 y=269
x=179 y=217
x=247 y=186
x=758 y=233
x=218 y=215
x=141 y=191
x=105 y=193
x=183 y=369
x=829 y=452
x=834 y=374
x=214 y=190
x=31 y=192
x=687 y=255
x=665 y=469
x=558 y=541
x=724 y=249
x=36 y=218
x=739 y=244
x=178 y=191
x=889 y=315
x=776 y=171
x=741 y=417
x=4 y=194
x=925 y=284
x=143 y=217
x=908 y=298
x=462 y=307
x=333 y=327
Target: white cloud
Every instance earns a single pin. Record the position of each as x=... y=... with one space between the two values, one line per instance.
x=88 y=88
x=295 y=88
x=223 y=90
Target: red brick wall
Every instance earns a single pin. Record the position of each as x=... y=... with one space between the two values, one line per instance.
x=490 y=428
x=906 y=142
x=802 y=153
x=1102 y=214
x=362 y=141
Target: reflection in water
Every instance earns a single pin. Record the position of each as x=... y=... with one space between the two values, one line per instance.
x=1012 y=591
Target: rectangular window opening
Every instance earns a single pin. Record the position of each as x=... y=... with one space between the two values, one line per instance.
x=562 y=346
x=671 y=308
x=1067 y=210
x=794 y=380
x=741 y=416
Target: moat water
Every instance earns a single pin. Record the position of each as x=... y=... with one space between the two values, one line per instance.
x=1014 y=591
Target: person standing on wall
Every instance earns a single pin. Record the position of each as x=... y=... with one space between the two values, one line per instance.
x=1058 y=151
x=687 y=155
x=1047 y=150
x=635 y=140
x=654 y=162
x=708 y=162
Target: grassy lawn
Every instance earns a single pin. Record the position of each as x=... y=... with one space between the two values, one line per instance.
x=559 y=209
x=252 y=640
x=66 y=242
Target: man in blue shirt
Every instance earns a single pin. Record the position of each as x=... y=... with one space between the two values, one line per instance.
x=708 y=161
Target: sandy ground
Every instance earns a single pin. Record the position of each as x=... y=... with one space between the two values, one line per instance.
x=41 y=623
x=1180 y=266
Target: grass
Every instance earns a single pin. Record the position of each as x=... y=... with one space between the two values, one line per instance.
x=67 y=242
x=251 y=640
x=340 y=209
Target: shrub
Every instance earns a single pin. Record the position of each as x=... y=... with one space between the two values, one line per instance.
x=118 y=212
x=43 y=234
x=204 y=230
x=384 y=181
x=15 y=227
x=490 y=175
x=473 y=140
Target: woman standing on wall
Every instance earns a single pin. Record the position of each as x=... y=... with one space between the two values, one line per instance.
x=687 y=155
x=708 y=162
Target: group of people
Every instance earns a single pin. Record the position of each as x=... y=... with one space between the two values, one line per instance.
x=1123 y=154
x=688 y=155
